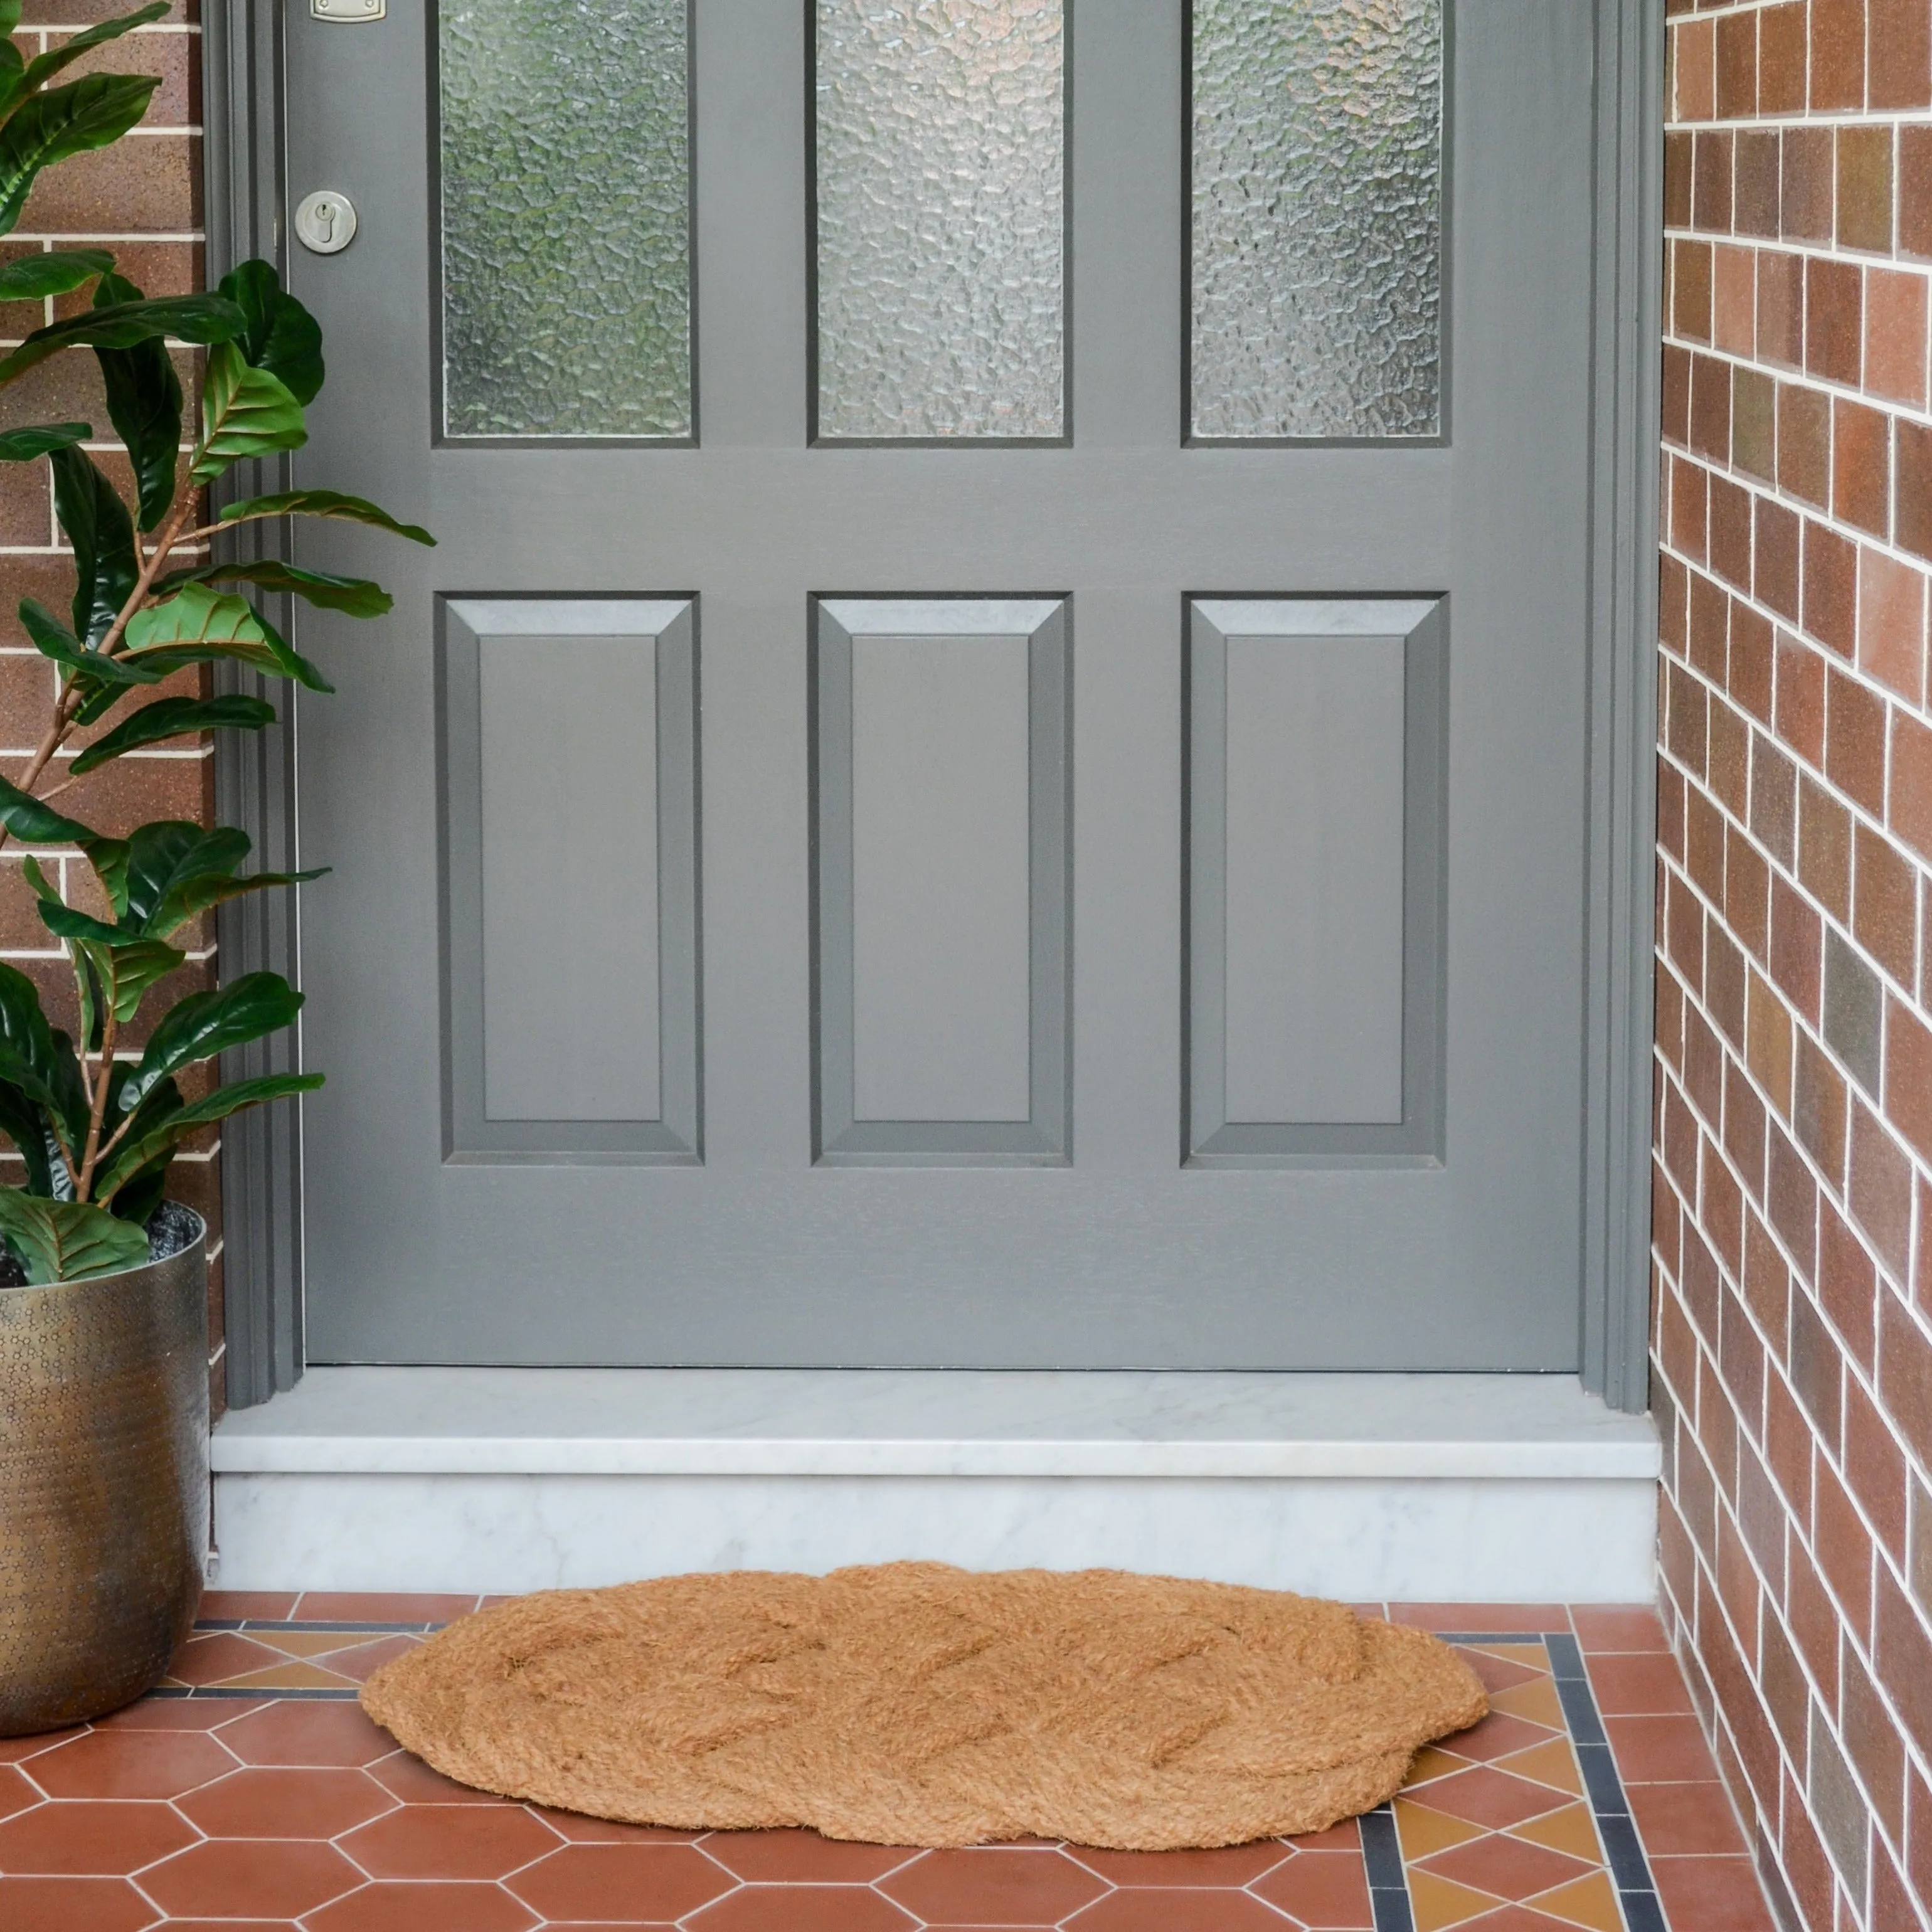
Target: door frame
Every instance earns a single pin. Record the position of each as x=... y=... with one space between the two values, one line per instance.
x=243 y=55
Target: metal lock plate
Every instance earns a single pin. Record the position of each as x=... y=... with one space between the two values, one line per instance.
x=351 y=11
x=325 y=221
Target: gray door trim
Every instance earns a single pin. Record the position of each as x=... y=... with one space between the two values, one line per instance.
x=243 y=81
x=254 y=772
x=1620 y=868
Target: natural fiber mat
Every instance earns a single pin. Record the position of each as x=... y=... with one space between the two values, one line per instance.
x=915 y=1704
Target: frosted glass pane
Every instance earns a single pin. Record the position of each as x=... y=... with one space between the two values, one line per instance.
x=566 y=244
x=1317 y=217
x=941 y=218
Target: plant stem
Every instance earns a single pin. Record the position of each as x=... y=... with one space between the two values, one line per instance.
x=68 y=702
x=84 y=1180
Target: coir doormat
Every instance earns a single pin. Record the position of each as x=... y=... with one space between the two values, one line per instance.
x=916 y=1704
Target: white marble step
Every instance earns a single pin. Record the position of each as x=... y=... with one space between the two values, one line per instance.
x=1476 y=1487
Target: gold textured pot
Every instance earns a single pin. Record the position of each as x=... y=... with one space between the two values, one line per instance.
x=103 y=1480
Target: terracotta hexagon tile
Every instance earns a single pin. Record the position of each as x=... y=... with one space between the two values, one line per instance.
x=131 y=1764
x=655 y=1884
x=1486 y=1796
x=176 y=1714
x=262 y=1802
x=295 y=1732
x=785 y=1908
x=17 y=1750
x=1345 y=1837
x=450 y=1841
x=95 y=1839
x=1148 y=1909
x=17 y=1794
x=1232 y=1866
x=996 y=1885
x=803 y=1858
x=72 y=1905
x=413 y=1781
x=419 y=1907
x=271 y=1877
x=1327 y=1889
x=1431 y=1762
x=582 y=1831
x=1508 y=1868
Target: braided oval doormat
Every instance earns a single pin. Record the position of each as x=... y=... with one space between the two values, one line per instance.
x=916 y=1704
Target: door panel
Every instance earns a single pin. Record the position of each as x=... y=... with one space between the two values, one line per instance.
x=1138 y=1228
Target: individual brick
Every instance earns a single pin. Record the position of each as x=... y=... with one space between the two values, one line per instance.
x=1855 y=742
x=1895 y=335
x=1807 y=177
x=1837 y=53
x=1804 y=443
x=1914 y=169
x=1913 y=487
x=1908 y=1075
x=1891 y=623
x=1781 y=308
x=1861 y=466
x=1711 y=166
x=1899 y=62
x=1834 y=318
x=1691 y=290
x=1854 y=1010
x=1754 y=424
x=1864 y=189
x=1831 y=588
x=1678 y=152
x=1774 y=554
x=1755 y=194
x=1734 y=300
x=1909 y=807
x=1885 y=905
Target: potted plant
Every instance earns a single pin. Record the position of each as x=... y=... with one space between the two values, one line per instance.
x=103 y=1349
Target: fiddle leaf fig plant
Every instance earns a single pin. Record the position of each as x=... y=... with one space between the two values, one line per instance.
x=96 y=1123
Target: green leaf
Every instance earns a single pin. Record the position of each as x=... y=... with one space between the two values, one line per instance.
x=140 y=1148
x=125 y=970
x=23 y=1124
x=181 y=905
x=52 y=639
x=10 y=19
x=205 y=1024
x=68 y=1240
x=37 y=1059
x=186 y=318
x=355 y=595
x=245 y=411
x=38 y=73
x=34 y=824
x=22 y=446
x=33 y=278
x=140 y=1194
x=197 y=624
x=70 y=120
x=173 y=718
x=102 y=533
x=281 y=337
x=66 y=922
x=144 y=399
x=323 y=503
x=166 y=854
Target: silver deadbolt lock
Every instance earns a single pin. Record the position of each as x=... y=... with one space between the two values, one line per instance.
x=349 y=10
x=325 y=221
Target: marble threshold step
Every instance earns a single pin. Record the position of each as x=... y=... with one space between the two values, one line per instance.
x=1438 y=1488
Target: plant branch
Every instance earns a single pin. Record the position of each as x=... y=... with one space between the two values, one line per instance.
x=108 y=1023
x=69 y=702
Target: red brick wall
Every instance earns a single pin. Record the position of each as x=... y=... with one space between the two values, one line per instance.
x=1793 y=1180
x=142 y=200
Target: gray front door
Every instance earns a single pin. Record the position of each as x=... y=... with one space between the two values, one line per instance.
x=990 y=769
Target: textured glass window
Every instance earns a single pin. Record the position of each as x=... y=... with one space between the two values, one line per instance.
x=566 y=222
x=941 y=219
x=1317 y=259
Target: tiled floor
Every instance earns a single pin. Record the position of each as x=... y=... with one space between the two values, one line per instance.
x=252 y=1796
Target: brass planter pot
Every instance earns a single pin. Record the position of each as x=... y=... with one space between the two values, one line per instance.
x=103 y=1481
